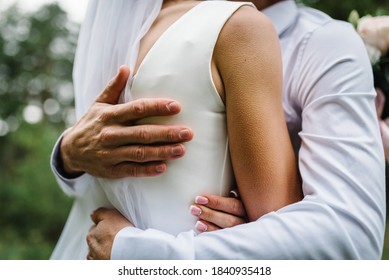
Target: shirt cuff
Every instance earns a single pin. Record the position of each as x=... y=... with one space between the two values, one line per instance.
x=57 y=167
x=120 y=243
x=132 y=243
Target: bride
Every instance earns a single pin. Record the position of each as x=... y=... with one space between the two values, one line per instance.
x=227 y=77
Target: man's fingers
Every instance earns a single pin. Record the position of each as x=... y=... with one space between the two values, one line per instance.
x=144 y=134
x=145 y=107
x=93 y=245
x=97 y=216
x=112 y=91
x=131 y=169
x=91 y=240
x=217 y=218
x=143 y=154
x=229 y=205
x=136 y=161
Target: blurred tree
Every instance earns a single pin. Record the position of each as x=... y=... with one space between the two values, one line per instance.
x=35 y=66
x=341 y=9
x=36 y=96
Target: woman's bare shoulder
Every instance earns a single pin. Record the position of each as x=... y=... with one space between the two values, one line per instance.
x=247 y=28
x=248 y=34
x=246 y=22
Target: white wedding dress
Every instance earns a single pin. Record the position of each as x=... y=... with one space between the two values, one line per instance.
x=177 y=67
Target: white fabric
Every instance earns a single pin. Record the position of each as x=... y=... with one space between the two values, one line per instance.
x=329 y=106
x=110 y=36
x=180 y=59
x=147 y=202
x=107 y=40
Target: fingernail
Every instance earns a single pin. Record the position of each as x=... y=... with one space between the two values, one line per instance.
x=184 y=134
x=172 y=106
x=200 y=226
x=201 y=200
x=196 y=211
x=177 y=150
x=160 y=168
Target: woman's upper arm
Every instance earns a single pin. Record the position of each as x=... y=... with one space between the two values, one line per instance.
x=248 y=58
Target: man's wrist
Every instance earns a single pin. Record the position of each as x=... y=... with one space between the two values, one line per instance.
x=66 y=172
x=64 y=169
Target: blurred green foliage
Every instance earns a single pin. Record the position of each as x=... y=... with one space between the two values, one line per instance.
x=32 y=207
x=341 y=9
x=36 y=102
x=36 y=105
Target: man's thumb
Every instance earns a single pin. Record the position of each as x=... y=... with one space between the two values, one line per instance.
x=114 y=88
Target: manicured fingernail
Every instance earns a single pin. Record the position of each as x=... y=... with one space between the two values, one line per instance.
x=200 y=226
x=195 y=210
x=201 y=200
x=184 y=134
x=173 y=106
x=177 y=150
x=160 y=168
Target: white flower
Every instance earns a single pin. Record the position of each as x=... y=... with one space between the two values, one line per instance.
x=375 y=33
x=373 y=52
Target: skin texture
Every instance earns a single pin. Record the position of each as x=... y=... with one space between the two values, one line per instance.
x=105 y=144
x=217 y=212
x=109 y=222
x=247 y=63
x=248 y=56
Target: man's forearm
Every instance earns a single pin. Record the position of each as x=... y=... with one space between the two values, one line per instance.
x=291 y=233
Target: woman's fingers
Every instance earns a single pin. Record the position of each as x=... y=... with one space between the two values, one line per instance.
x=228 y=205
x=213 y=219
x=217 y=212
x=203 y=226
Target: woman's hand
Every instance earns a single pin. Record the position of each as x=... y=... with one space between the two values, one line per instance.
x=216 y=212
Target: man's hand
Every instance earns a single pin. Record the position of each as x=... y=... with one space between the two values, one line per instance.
x=106 y=143
x=216 y=212
x=108 y=222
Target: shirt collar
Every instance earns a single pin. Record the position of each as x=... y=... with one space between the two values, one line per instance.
x=282 y=14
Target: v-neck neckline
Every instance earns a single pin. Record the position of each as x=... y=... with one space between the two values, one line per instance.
x=160 y=38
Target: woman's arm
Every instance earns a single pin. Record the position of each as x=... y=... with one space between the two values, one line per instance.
x=248 y=58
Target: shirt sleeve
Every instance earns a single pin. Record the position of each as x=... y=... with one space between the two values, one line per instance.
x=307 y=230
x=341 y=163
x=71 y=186
x=341 y=157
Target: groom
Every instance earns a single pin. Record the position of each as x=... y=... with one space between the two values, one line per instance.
x=329 y=107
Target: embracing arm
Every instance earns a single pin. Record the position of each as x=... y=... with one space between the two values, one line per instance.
x=248 y=58
x=340 y=158
x=104 y=142
x=343 y=213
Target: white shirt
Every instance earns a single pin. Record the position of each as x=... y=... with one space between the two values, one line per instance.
x=329 y=106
